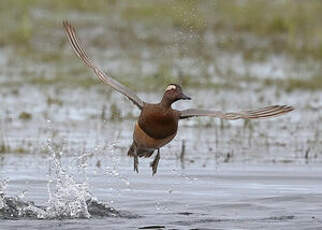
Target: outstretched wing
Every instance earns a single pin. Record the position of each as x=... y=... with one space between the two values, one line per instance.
x=71 y=34
x=269 y=111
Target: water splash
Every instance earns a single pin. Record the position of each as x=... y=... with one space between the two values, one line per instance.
x=67 y=197
x=113 y=171
x=3 y=186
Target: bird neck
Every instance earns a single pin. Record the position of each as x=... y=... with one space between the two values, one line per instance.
x=166 y=102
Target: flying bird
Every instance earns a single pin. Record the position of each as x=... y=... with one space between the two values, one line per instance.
x=158 y=122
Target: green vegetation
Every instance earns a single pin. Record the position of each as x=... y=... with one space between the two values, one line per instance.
x=289 y=26
x=256 y=29
x=290 y=84
x=314 y=83
x=4 y=148
x=25 y=116
x=54 y=101
x=115 y=113
x=293 y=26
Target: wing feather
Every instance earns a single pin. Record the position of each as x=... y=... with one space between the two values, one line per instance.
x=80 y=52
x=269 y=111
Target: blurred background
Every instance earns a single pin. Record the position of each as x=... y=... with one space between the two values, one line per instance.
x=228 y=55
x=64 y=135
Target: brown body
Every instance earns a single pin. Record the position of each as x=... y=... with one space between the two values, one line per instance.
x=156 y=127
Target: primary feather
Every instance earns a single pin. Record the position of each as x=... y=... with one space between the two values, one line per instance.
x=80 y=52
x=269 y=111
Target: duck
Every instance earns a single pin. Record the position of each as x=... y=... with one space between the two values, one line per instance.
x=157 y=123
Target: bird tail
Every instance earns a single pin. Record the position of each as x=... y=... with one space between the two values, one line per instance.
x=137 y=152
x=131 y=151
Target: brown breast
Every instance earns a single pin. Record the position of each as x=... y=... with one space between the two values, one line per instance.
x=144 y=141
x=158 y=122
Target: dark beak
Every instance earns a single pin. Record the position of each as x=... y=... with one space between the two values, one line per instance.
x=184 y=97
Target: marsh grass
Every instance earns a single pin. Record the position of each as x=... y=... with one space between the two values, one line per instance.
x=4 y=146
x=25 y=116
x=294 y=26
x=286 y=27
x=314 y=83
x=54 y=101
x=291 y=84
x=115 y=113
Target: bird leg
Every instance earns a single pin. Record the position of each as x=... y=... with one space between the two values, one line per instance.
x=154 y=164
x=134 y=154
x=136 y=163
